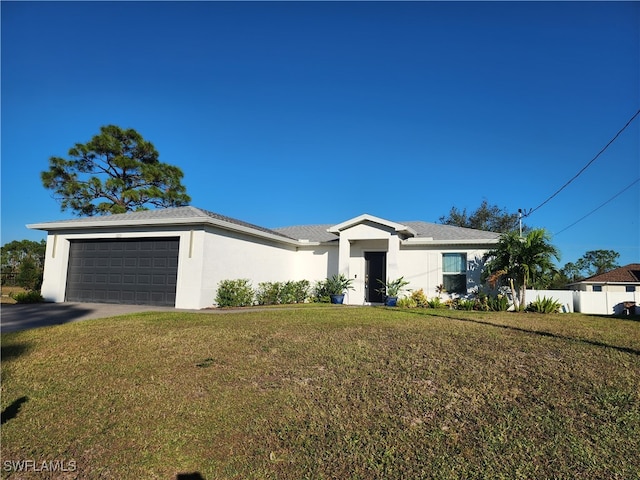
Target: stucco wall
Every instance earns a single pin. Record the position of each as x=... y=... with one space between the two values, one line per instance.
x=422 y=267
x=229 y=255
x=315 y=263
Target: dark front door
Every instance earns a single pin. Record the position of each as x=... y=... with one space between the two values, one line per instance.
x=375 y=272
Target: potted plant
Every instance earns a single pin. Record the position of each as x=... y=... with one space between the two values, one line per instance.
x=337 y=286
x=391 y=289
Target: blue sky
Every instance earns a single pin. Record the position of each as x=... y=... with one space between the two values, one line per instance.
x=287 y=113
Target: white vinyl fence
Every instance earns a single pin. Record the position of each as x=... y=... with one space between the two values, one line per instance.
x=604 y=303
x=563 y=297
x=598 y=303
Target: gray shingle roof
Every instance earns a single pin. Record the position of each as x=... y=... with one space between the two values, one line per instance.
x=318 y=233
x=167 y=214
x=313 y=233
x=449 y=232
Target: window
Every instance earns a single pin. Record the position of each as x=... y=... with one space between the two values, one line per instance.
x=454 y=272
x=597 y=288
x=630 y=288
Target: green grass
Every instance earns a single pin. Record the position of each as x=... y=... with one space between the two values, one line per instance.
x=326 y=393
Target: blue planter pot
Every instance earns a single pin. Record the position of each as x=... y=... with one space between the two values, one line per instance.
x=337 y=299
x=391 y=301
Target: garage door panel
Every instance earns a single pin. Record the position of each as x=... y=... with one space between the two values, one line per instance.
x=135 y=271
x=130 y=262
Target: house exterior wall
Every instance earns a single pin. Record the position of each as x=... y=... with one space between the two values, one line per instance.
x=316 y=263
x=422 y=267
x=230 y=255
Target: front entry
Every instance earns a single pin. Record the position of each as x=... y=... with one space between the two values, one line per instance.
x=375 y=272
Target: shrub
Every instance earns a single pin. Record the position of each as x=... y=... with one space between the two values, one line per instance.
x=465 y=304
x=419 y=298
x=338 y=284
x=435 y=302
x=295 y=292
x=544 y=305
x=499 y=303
x=321 y=292
x=274 y=293
x=234 y=293
x=31 y=296
x=406 y=302
x=269 y=293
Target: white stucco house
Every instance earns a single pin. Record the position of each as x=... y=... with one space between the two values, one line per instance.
x=178 y=256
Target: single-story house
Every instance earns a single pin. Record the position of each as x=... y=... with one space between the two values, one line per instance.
x=178 y=256
x=622 y=279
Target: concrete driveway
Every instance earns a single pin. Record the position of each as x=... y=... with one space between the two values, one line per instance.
x=24 y=316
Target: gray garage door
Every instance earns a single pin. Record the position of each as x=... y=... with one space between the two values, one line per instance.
x=129 y=271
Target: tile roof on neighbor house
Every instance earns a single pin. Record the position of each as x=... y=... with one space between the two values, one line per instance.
x=627 y=274
x=312 y=233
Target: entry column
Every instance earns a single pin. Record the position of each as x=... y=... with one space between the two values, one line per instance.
x=393 y=252
x=344 y=255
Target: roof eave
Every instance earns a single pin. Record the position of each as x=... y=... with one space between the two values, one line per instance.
x=336 y=229
x=97 y=224
x=431 y=241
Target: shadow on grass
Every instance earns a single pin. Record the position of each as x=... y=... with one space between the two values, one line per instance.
x=189 y=476
x=631 y=318
x=632 y=351
x=7 y=352
x=12 y=410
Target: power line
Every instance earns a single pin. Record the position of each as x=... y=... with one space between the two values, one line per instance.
x=586 y=166
x=598 y=208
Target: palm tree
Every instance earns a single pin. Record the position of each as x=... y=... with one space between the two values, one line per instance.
x=520 y=261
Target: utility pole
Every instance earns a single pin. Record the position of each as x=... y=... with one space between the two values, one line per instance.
x=520 y=221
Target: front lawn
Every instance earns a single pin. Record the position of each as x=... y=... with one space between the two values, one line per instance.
x=324 y=393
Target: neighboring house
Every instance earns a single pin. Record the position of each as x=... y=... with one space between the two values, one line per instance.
x=623 y=279
x=178 y=256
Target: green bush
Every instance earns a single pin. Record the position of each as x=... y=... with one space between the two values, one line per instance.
x=295 y=292
x=435 y=302
x=407 y=302
x=464 y=304
x=269 y=293
x=275 y=293
x=544 y=305
x=32 y=296
x=234 y=293
x=419 y=298
x=499 y=303
x=321 y=292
